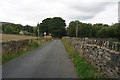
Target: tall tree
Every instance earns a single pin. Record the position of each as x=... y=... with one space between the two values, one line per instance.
x=45 y=25
x=71 y=29
x=55 y=26
x=84 y=30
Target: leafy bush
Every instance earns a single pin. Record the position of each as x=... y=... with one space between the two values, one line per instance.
x=48 y=38
x=9 y=29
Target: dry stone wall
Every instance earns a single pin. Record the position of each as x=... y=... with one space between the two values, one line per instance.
x=13 y=46
x=102 y=54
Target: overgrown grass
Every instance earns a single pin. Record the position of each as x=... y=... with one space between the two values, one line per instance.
x=32 y=45
x=83 y=68
x=116 y=42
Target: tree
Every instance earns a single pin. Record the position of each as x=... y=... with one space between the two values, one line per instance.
x=84 y=30
x=28 y=28
x=103 y=32
x=45 y=25
x=9 y=29
x=116 y=28
x=95 y=29
x=55 y=26
x=71 y=29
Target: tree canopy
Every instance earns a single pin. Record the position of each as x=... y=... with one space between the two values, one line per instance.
x=54 y=26
x=95 y=30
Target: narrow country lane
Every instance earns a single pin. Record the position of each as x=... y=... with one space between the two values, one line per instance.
x=48 y=61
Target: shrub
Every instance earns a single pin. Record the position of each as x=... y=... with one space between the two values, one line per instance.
x=48 y=38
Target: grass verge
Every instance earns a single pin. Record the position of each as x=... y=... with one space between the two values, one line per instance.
x=83 y=68
x=32 y=45
x=116 y=42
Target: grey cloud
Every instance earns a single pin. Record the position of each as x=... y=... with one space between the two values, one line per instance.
x=79 y=17
x=91 y=8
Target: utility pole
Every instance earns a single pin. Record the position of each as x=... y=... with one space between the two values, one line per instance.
x=77 y=30
x=38 y=29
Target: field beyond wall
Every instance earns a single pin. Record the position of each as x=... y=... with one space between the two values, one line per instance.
x=11 y=37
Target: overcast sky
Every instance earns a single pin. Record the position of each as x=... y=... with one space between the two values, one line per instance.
x=33 y=11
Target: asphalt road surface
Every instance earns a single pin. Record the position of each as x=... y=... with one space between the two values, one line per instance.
x=48 y=61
